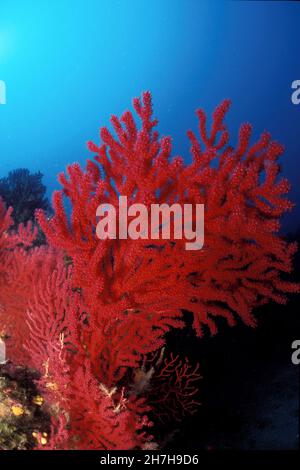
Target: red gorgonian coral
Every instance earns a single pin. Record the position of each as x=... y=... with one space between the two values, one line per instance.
x=135 y=291
x=43 y=324
x=17 y=273
x=93 y=310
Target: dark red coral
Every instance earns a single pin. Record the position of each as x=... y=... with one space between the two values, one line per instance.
x=171 y=384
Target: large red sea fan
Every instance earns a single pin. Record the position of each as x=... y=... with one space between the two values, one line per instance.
x=240 y=265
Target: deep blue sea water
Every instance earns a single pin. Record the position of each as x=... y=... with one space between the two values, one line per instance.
x=68 y=65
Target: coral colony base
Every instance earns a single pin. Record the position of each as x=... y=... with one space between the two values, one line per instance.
x=89 y=317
